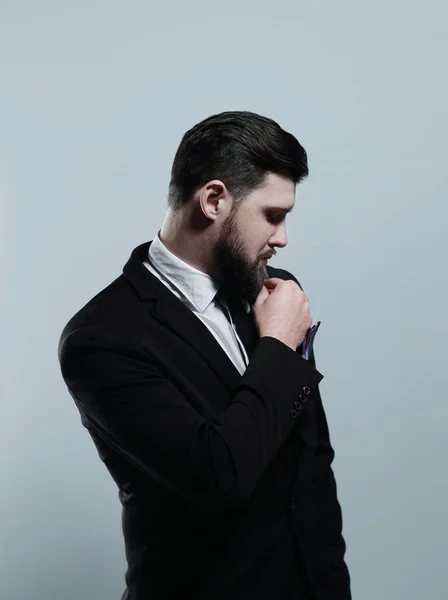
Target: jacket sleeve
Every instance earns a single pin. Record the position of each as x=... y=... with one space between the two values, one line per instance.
x=328 y=509
x=127 y=401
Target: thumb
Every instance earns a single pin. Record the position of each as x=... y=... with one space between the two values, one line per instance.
x=264 y=293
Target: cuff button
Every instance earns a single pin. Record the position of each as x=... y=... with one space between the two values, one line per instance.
x=306 y=390
x=293 y=413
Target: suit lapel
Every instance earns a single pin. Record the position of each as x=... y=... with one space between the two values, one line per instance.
x=168 y=310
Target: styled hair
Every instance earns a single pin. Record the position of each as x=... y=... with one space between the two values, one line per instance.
x=237 y=147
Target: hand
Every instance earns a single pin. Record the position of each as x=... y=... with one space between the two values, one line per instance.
x=282 y=311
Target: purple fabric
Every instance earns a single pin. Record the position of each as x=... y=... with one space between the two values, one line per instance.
x=307 y=344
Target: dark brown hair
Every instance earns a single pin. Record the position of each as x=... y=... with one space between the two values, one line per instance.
x=239 y=148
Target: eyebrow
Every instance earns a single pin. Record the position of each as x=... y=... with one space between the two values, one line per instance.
x=279 y=209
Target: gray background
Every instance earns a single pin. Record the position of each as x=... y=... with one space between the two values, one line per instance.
x=95 y=97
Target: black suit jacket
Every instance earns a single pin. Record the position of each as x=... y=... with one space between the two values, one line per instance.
x=225 y=480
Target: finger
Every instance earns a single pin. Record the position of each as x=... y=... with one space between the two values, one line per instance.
x=264 y=293
x=272 y=282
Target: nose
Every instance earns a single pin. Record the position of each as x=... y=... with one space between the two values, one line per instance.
x=280 y=237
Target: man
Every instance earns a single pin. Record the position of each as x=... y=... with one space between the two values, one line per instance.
x=195 y=376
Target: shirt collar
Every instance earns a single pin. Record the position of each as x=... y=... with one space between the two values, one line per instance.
x=198 y=288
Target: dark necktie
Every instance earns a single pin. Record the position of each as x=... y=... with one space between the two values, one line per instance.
x=244 y=324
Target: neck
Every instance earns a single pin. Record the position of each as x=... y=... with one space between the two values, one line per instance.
x=188 y=244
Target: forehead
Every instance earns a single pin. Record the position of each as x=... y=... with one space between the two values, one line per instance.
x=276 y=194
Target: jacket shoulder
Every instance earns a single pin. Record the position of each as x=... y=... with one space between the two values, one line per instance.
x=282 y=274
x=105 y=311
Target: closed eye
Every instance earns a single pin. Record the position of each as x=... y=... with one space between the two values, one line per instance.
x=276 y=219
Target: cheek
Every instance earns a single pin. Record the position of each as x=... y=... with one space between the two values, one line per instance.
x=256 y=235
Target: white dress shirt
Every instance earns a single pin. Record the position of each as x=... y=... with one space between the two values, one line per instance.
x=197 y=291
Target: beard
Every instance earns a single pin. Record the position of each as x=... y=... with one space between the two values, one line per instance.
x=240 y=277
